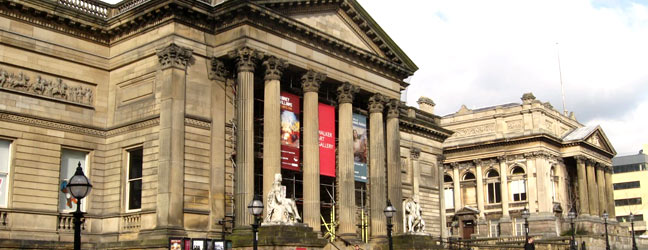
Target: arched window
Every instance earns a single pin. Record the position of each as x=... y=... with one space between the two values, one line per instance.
x=493 y=187
x=518 y=184
x=448 y=192
x=447 y=179
x=468 y=176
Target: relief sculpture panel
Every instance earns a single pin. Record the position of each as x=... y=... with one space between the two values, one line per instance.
x=475 y=130
x=45 y=87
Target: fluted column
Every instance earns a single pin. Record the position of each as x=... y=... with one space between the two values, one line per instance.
x=345 y=174
x=377 y=166
x=246 y=59
x=174 y=61
x=456 y=187
x=310 y=84
x=610 y=193
x=480 y=188
x=218 y=75
x=394 y=185
x=271 y=122
x=592 y=188
x=504 y=186
x=602 y=193
x=415 y=153
x=583 y=197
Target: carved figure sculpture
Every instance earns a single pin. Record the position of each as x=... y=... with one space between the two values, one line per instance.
x=60 y=89
x=280 y=209
x=4 y=77
x=40 y=85
x=412 y=219
x=22 y=82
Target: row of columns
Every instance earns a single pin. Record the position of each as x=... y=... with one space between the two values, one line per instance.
x=381 y=186
x=595 y=191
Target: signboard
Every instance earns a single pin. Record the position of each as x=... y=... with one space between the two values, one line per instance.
x=290 y=135
x=360 y=147
x=327 y=139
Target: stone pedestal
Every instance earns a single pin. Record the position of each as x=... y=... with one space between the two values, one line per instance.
x=410 y=241
x=278 y=237
x=506 y=227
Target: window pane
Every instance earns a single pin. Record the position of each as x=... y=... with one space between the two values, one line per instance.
x=135 y=194
x=4 y=171
x=497 y=193
x=69 y=161
x=449 y=198
x=135 y=164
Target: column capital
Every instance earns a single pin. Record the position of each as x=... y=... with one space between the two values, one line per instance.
x=580 y=158
x=415 y=153
x=274 y=68
x=346 y=92
x=393 y=108
x=246 y=58
x=311 y=81
x=218 y=70
x=377 y=103
x=175 y=56
x=477 y=162
x=501 y=158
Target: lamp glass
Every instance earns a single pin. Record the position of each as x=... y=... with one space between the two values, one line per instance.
x=389 y=211
x=631 y=217
x=525 y=213
x=605 y=215
x=79 y=185
x=256 y=207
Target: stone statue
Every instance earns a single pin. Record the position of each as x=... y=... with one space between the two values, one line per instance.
x=412 y=219
x=280 y=209
x=21 y=82
x=4 y=77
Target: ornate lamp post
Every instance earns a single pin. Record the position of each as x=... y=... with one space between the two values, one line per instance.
x=605 y=218
x=256 y=208
x=572 y=215
x=389 y=213
x=79 y=187
x=634 y=243
x=525 y=215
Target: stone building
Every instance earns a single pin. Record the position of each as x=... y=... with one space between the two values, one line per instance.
x=175 y=110
x=503 y=159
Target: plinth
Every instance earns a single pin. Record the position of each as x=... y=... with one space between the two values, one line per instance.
x=278 y=237
x=411 y=241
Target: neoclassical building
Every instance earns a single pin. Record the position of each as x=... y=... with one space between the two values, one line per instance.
x=181 y=111
x=503 y=159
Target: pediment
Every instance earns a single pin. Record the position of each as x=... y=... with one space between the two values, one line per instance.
x=599 y=140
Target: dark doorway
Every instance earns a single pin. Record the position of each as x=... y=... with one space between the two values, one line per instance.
x=468 y=229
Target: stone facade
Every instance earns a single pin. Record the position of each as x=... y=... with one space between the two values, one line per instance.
x=163 y=101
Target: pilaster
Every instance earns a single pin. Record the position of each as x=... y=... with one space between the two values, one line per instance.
x=377 y=170
x=504 y=186
x=346 y=181
x=395 y=190
x=218 y=75
x=480 y=188
x=532 y=182
x=415 y=153
x=456 y=186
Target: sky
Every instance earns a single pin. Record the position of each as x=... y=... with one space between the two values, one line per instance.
x=484 y=53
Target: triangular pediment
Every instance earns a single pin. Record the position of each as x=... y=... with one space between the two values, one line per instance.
x=599 y=140
x=592 y=135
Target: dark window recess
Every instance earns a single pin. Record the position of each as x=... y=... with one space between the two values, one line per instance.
x=629 y=168
x=626 y=185
x=135 y=178
x=626 y=218
x=627 y=202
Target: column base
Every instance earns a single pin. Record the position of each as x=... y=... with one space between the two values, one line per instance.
x=408 y=241
x=278 y=237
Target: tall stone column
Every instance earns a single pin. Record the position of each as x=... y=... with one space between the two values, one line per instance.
x=610 y=192
x=246 y=59
x=310 y=84
x=174 y=61
x=415 y=153
x=271 y=122
x=583 y=198
x=532 y=181
x=480 y=188
x=377 y=180
x=504 y=186
x=345 y=175
x=456 y=187
x=442 y=208
x=218 y=75
x=592 y=189
x=395 y=190
x=602 y=192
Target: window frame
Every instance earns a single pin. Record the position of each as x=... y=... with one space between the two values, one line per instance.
x=127 y=181
x=8 y=180
x=515 y=178
x=86 y=171
x=495 y=184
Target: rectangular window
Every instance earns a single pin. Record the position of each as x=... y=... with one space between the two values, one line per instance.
x=134 y=185
x=494 y=229
x=629 y=168
x=627 y=202
x=494 y=193
x=626 y=185
x=519 y=227
x=448 y=195
x=518 y=190
x=626 y=218
x=5 y=154
x=70 y=159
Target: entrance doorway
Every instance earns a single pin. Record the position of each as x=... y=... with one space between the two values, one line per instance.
x=468 y=229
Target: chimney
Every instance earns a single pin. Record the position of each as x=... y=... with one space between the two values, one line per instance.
x=426 y=104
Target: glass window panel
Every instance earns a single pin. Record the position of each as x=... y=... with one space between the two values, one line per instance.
x=135 y=198
x=4 y=171
x=134 y=192
x=70 y=159
x=449 y=197
x=135 y=164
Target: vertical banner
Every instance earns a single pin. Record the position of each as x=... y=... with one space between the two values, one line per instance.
x=360 y=147
x=327 y=139
x=290 y=127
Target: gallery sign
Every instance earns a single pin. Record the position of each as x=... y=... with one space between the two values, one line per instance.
x=290 y=135
x=360 y=147
x=327 y=139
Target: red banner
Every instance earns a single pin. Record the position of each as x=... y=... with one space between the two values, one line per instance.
x=290 y=127
x=327 y=139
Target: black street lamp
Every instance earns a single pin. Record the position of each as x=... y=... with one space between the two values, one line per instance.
x=605 y=218
x=571 y=216
x=634 y=243
x=525 y=215
x=389 y=211
x=256 y=208
x=79 y=187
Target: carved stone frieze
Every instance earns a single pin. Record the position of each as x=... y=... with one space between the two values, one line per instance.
x=415 y=153
x=377 y=103
x=514 y=125
x=53 y=89
x=393 y=108
x=246 y=58
x=175 y=56
x=196 y=123
x=346 y=92
x=311 y=81
x=218 y=70
x=274 y=68
x=475 y=130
